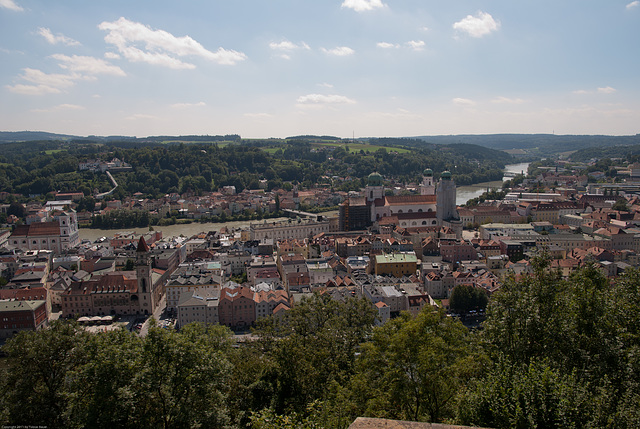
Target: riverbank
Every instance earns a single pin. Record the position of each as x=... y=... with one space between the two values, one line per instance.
x=185 y=230
x=466 y=193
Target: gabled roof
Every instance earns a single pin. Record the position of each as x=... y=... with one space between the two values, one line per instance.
x=142 y=245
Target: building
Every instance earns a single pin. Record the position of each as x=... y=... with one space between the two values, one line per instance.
x=403 y=210
x=237 y=309
x=396 y=264
x=266 y=302
x=198 y=306
x=290 y=229
x=188 y=278
x=17 y=316
x=120 y=292
x=58 y=232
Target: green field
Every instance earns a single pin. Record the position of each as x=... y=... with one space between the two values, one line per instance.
x=353 y=147
x=220 y=144
x=52 y=151
x=357 y=147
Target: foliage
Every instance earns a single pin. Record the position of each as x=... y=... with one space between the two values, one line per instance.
x=64 y=377
x=554 y=352
x=41 y=167
x=465 y=298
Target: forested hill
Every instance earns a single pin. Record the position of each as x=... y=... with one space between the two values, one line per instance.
x=32 y=168
x=540 y=143
x=630 y=153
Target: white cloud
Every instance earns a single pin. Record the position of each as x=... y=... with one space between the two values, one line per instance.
x=603 y=90
x=188 y=105
x=325 y=85
x=416 y=45
x=633 y=4
x=286 y=45
x=55 y=80
x=505 y=100
x=363 y=5
x=137 y=116
x=386 y=45
x=32 y=89
x=340 y=51
x=89 y=65
x=477 y=26
x=79 y=68
x=111 y=56
x=54 y=39
x=11 y=5
x=160 y=47
x=60 y=107
x=463 y=102
x=258 y=115
x=606 y=90
x=319 y=99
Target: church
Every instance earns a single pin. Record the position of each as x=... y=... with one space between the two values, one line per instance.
x=434 y=206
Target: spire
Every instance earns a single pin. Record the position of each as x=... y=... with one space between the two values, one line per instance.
x=142 y=245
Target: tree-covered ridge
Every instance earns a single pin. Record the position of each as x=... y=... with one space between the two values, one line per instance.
x=553 y=353
x=41 y=167
x=629 y=153
x=536 y=144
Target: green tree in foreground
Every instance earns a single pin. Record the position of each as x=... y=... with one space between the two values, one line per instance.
x=465 y=298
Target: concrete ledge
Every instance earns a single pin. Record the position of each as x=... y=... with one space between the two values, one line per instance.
x=370 y=423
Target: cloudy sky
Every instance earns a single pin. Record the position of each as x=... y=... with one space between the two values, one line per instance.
x=275 y=68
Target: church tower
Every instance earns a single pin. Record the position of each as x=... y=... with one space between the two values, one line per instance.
x=446 y=209
x=374 y=189
x=143 y=273
x=427 y=187
x=446 y=199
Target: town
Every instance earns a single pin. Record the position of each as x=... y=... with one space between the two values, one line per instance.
x=401 y=247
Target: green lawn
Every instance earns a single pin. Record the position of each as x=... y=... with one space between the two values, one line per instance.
x=220 y=144
x=353 y=147
x=357 y=147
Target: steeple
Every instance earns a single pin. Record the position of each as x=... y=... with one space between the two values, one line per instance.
x=143 y=266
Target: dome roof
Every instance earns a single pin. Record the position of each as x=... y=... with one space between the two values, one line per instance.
x=427 y=172
x=375 y=179
x=446 y=175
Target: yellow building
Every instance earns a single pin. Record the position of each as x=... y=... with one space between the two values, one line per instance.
x=396 y=264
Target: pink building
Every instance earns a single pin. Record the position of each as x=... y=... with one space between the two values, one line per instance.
x=237 y=307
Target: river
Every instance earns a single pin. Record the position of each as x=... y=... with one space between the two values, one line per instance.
x=465 y=193
x=187 y=230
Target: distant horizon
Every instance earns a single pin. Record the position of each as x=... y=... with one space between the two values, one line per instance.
x=315 y=135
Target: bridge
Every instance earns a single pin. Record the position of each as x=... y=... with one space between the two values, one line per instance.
x=301 y=214
x=115 y=185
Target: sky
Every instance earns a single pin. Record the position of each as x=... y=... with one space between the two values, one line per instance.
x=346 y=68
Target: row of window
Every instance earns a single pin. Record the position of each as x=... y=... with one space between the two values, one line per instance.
x=34 y=241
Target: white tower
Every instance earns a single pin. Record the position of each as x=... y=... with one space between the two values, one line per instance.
x=374 y=189
x=427 y=187
x=446 y=199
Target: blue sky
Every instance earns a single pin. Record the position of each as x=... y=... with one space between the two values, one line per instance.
x=277 y=68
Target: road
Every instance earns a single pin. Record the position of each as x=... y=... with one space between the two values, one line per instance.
x=159 y=314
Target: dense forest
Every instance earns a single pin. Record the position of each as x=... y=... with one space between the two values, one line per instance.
x=537 y=144
x=552 y=353
x=629 y=153
x=36 y=168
